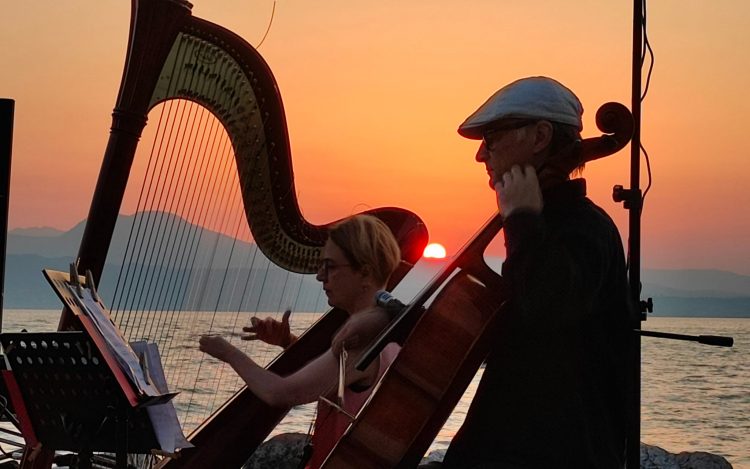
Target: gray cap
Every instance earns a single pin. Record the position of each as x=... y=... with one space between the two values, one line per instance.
x=527 y=98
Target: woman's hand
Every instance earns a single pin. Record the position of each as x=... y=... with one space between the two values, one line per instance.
x=359 y=330
x=217 y=347
x=270 y=330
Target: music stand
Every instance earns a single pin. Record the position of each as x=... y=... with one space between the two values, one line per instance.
x=85 y=391
x=68 y=398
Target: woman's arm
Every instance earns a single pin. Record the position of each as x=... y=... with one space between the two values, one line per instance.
x=317 y=378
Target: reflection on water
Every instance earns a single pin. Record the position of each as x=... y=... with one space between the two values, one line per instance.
x=694 y=397
x=697 y=397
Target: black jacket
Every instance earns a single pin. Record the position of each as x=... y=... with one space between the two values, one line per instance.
x=554 y=388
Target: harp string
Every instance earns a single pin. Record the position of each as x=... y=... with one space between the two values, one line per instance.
x=185 y=257
x=165 y=288
x=158 y=232
x=124 y=271
x=155 y=228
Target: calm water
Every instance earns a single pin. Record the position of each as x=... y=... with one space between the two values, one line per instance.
x=695 y=397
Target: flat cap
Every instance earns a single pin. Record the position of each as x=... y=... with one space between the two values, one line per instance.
x=528 y=98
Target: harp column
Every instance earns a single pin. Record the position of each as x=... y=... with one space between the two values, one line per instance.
x=158 y=23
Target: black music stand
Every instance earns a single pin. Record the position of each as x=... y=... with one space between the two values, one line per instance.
x=69 y=399
x=87 y=391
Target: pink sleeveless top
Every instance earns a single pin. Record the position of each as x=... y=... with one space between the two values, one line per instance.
x=330 y=424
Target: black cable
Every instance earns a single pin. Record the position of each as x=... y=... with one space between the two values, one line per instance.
x=647 y=50
x=268 y=29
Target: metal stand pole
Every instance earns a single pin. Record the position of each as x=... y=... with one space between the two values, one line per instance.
x=634 y=241
x=633 y=203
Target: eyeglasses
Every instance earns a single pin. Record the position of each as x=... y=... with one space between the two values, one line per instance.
x=487 y=141
x=326 y=266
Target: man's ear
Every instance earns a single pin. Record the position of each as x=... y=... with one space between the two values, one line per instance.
x=543 y=131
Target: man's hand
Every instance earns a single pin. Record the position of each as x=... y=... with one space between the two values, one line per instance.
x=270 y=330
x=518 y=189
x=359 y=330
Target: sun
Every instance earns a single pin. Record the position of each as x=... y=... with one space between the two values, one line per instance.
x=434 y=251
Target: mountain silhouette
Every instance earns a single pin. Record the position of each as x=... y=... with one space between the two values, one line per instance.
x=687 y=292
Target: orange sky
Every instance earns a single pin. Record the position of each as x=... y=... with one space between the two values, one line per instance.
x=374 y=92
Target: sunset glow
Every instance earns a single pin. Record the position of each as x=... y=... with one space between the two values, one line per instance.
x=434 y=251
x=373 y=93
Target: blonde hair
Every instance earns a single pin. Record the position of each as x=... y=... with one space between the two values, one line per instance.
x=367 y=242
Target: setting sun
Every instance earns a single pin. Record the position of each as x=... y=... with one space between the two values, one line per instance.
x=434 y=251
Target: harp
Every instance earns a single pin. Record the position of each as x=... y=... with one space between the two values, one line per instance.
x=199 y=76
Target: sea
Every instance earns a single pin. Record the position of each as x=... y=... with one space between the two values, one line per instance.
x=694 y=397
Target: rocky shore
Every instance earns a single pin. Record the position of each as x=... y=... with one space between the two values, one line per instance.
x=284 y=452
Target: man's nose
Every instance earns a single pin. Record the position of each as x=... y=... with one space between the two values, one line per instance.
x=482 y=153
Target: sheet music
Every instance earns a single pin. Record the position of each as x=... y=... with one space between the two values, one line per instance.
x=124 y=355
x=163 y=416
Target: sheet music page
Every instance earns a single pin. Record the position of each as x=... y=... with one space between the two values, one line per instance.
x=124 y=355
x=163 y=416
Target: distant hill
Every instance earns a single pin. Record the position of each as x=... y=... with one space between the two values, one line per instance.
x=211 y=265
x=682 y=293
x=25 y=286
x=695 y=284
x=709 y=293
x=43 y=231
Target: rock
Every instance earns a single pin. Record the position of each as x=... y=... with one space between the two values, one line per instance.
x=434 y=456
x=283 y=451
x=653 y=457
x=702 y=460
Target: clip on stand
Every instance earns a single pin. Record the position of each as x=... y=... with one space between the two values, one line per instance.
x=69 y=391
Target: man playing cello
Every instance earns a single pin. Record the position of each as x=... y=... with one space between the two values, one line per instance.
x=554 y=388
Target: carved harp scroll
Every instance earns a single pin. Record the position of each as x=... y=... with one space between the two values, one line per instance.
x=173 y=55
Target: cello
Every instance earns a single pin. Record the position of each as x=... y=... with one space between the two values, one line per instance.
x=447 y=341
